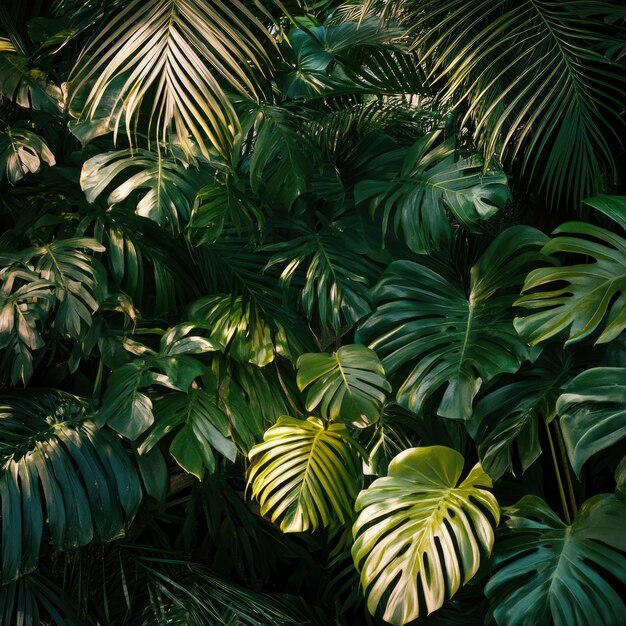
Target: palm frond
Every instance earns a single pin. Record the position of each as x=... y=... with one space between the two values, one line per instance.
x=538 y=87
x=171 y=60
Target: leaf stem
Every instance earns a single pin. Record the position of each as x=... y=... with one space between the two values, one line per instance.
x=566 y=466
x=559 y=481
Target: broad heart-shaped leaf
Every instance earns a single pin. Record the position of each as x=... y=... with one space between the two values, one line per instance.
x=454 y=338
x=421 y=532
x=25 y=300
x=205 y=428
x=549 y=573
x=580 y=299
x=165 y=189
x=430 y=181
x=509 y=416
x=58 y=469
x=593 y=413
x=348 y=385
x=305 y=474
x=22 y=152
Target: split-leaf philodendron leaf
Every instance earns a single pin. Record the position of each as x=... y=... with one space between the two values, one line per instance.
x=420 y=532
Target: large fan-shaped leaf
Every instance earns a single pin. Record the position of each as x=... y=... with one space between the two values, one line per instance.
x=165 y=59
x=420 y=532
x=453 y=338
x=305 y=474
x=205 y=428
x=509 y=416
x=167 y=188
x=593 y=295
x=536 y=78
x=593 y=413
x=22 y=152
x=349 y=385
x=58 y=467
x=338 y=273
x=430 y=181
x=549 y=573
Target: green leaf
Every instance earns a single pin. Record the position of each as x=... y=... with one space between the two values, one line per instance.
x=124 y=407
x=22 y=152
x=237 y=325
x=348 y=385
x=58 y=468
x=171 y=62
x=28 y=86
x=549 y=573
x=455 y=338
x=25 y=301
x=420 y=533
x=430 y=181
x=620 y=479
x=593 y=413
x=164 y=189
x=534 y=81
x=205 y=429
x=305 y=474
x=338 y=272
x=509 y=416
x=79 y=280
x=580 y=299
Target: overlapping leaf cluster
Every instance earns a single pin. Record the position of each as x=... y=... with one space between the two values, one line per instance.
x=280 y=340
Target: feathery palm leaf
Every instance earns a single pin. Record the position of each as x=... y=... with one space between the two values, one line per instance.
x=538 y=84
x=169 y=60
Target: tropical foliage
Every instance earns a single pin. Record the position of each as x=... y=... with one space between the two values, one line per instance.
x=312 y=312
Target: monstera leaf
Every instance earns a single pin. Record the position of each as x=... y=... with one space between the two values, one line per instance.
x=430 y=182
x=22 y=152
x=549 y=573
x=349 y=385
x=580 y=299
x=509 y=416
x=420 y=533
x=61 y=470
x=338 y=272
x=593 y=413
x=165 y=188
x=204 y=429
x=455 y=338
x=305 y=474
x=25 y=301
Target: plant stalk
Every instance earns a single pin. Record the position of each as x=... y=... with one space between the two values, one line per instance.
x=559 y=481
x=567 y=467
